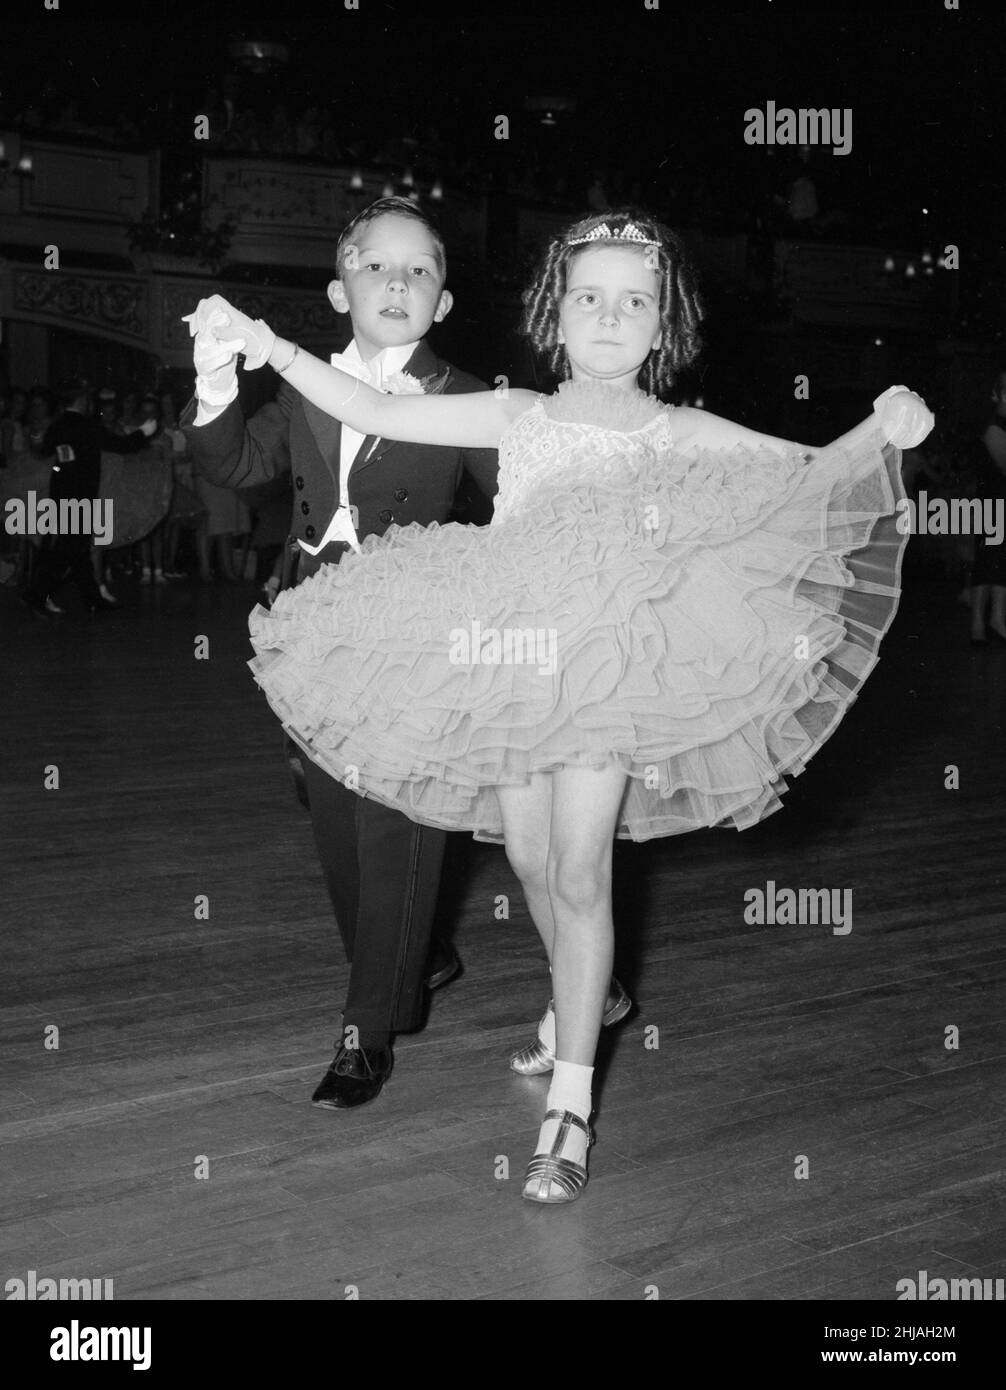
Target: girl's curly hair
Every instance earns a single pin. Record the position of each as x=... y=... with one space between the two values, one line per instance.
x=681 y=308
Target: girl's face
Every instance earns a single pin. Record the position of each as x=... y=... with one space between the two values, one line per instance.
x=609 y=317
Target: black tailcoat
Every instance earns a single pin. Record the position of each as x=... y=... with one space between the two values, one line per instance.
x=382 y=870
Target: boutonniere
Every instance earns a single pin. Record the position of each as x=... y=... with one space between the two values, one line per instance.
x=405 y=384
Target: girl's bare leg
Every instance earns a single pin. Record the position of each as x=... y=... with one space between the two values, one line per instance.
x=527 y=814
x=585 y=806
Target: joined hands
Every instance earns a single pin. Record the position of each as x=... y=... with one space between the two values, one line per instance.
x=221 y=331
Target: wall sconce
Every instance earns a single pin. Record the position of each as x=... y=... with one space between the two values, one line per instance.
x=22 y=170
x=258 y=56
x=550 y=107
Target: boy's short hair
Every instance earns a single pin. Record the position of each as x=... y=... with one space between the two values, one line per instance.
x=398 y=207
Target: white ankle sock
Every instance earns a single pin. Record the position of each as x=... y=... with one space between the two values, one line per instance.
x=546 y=1030
x=570 y=1089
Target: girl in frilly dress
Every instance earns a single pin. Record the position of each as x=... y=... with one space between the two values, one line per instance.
x=667 y=615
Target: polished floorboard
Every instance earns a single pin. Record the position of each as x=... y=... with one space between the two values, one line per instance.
x=789 y=1115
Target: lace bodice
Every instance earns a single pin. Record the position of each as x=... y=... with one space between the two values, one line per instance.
x=578 y=430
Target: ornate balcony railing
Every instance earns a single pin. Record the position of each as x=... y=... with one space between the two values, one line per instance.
x=292 y=214
x=77 y=198
x=145 y=312
x=88 y=201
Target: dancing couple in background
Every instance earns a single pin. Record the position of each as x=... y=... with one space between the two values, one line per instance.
x=715 y=598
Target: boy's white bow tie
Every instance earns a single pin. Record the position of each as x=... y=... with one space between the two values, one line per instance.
x=397 y=382
x=363 y=371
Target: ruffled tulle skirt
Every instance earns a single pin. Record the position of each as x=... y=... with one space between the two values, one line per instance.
x=702 y=621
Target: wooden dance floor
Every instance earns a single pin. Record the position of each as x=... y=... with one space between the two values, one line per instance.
x=823 y=1116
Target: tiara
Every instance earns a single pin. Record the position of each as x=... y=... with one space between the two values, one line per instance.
x=630 y=232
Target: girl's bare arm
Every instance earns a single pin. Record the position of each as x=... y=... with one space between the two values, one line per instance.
x=475 y=420
x=697 y=429
x=900 y=416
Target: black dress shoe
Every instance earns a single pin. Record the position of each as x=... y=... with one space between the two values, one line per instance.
x=444 y=963
x=37 y=606
x=101 y=605
x=355 y=1076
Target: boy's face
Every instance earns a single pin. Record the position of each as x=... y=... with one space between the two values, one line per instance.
x=392 y=284
x=609 y=317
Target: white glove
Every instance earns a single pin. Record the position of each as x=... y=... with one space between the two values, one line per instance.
x=251 y=336
x=904 y=417
x=254 y=337
x=215 y=362
x=149 y=427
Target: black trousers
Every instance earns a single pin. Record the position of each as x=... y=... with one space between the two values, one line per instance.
x=59 y=554
x=383 y=877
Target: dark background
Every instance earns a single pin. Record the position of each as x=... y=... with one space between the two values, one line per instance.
x=656 y=108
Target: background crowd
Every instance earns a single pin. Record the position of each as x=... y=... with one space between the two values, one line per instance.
x=207 y=533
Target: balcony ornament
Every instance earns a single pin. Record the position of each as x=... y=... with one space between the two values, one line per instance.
x=182 y=235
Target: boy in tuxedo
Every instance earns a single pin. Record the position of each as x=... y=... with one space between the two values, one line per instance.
x=382 y=870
